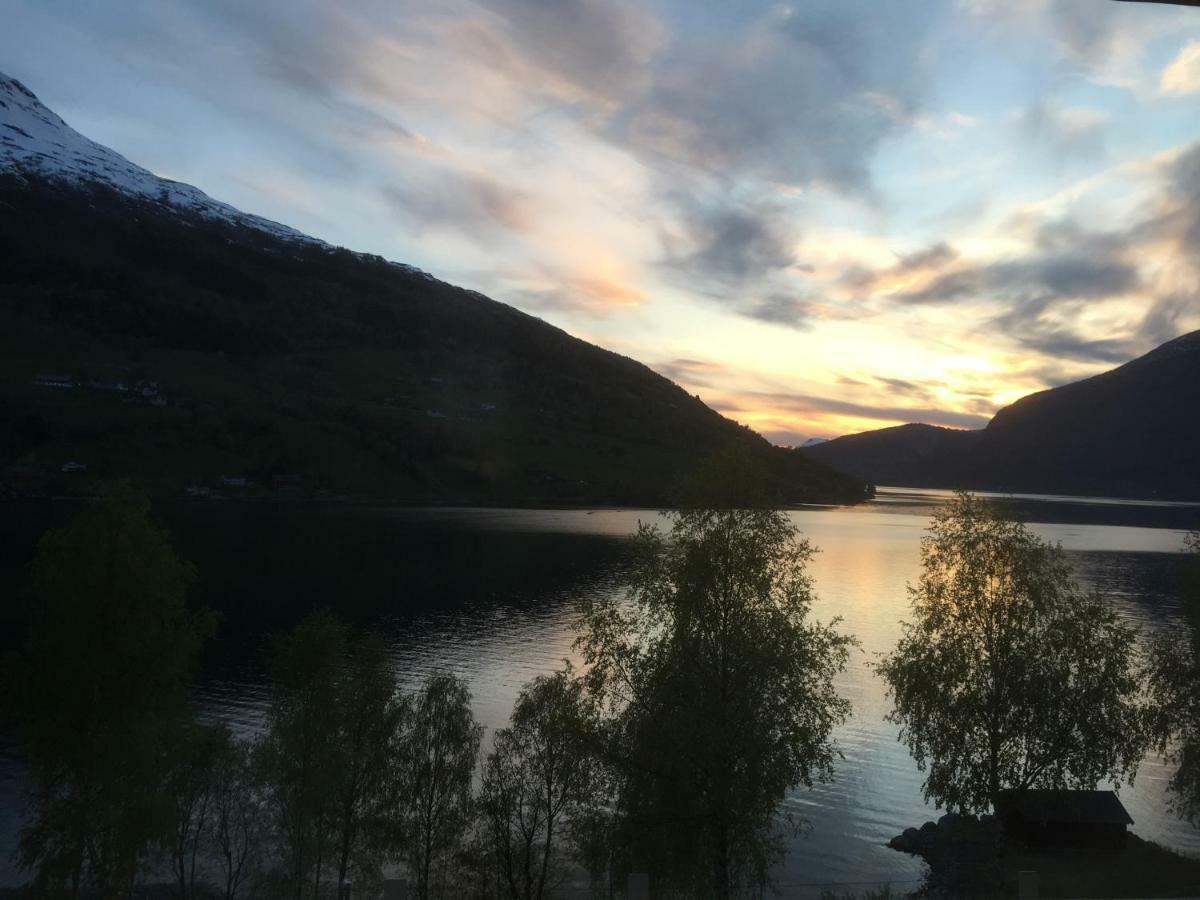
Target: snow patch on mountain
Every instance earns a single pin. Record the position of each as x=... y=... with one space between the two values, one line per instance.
x=33 y=140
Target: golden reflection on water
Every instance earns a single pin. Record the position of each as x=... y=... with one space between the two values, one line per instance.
x=867 y=556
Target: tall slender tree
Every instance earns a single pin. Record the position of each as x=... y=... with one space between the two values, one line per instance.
x=372 y=716
x=191 y=785
x=542 y=772
x=299 y=755
x=438 y=756
x=238 y=832
x=1008 y=675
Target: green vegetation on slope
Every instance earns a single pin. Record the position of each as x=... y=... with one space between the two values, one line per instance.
x=324 y=371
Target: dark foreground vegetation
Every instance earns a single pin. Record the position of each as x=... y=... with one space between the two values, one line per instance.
x=139 y=341
x=705 y=694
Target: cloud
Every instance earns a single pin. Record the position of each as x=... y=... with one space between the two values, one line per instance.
x=1065 y=343
x=592 y=294
x=1085 y=29
x=933 y=257
x=691 y=372
x=739 y=253
x=1182 y=75
x=779 y=309
x=1180 y=214
x=1047 y=294
x=1104 y=42
x=466 y=201
x=809 y=405
x=603 y=47
x=801 y=96
x=903 y=386
x=1067 y=132
x=1069 y=276
x=928 y=260
x=731 y=243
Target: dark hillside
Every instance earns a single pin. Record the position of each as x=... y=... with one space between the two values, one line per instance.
x=1130 y=432
x=912 y=455
x=312 y=369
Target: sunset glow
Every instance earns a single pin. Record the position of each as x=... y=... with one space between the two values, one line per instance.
x=819 y=217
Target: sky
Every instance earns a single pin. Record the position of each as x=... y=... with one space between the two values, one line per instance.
x=820 y=217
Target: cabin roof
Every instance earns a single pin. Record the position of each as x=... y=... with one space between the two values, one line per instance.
x=1074 y=807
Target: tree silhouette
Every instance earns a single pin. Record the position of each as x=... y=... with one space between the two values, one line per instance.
x=438 y=756
x=299 y=754
x=1174 y=678
x=372 y=718
x=542 y=774
x=719 y=695
x=191 y=785
x=238 y=836
x=100 y=694
x=1008 y=675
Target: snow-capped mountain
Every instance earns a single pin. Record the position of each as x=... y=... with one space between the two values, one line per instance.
x=33 y=140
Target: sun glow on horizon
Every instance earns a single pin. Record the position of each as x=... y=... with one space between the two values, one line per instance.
x=817 y=220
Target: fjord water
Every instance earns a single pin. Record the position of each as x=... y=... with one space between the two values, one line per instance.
x=490 y=595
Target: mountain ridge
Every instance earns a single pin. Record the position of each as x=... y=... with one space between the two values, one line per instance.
x=1128 y=432
x=150 y=331
x=36 y=140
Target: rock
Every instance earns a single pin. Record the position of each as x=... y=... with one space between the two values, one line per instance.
x=928 y=837
x=949 y=821
x=906 y=842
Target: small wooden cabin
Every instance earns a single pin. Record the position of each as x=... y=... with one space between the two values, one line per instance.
x=1063 y=818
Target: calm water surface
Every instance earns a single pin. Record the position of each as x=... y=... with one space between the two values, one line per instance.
x=490 y=595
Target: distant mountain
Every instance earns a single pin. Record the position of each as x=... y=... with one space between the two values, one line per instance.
x=813 y=442
x=148 y=330
x=1130 y=432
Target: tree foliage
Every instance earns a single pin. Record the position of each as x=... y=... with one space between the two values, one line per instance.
x=719 y=696
x=372 y=718
x=191 y=785
x=238 y=832
x=299 y=754
x=542 y=774
x=333 y=758
x=1008 y=674
x=1174 y=679
x=438 y=756
x=100 y=694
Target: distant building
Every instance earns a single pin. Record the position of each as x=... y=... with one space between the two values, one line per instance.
x=1063 y=818
x=54 y=381
x=71 y=467
x=236 y=481
x=116 y=387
